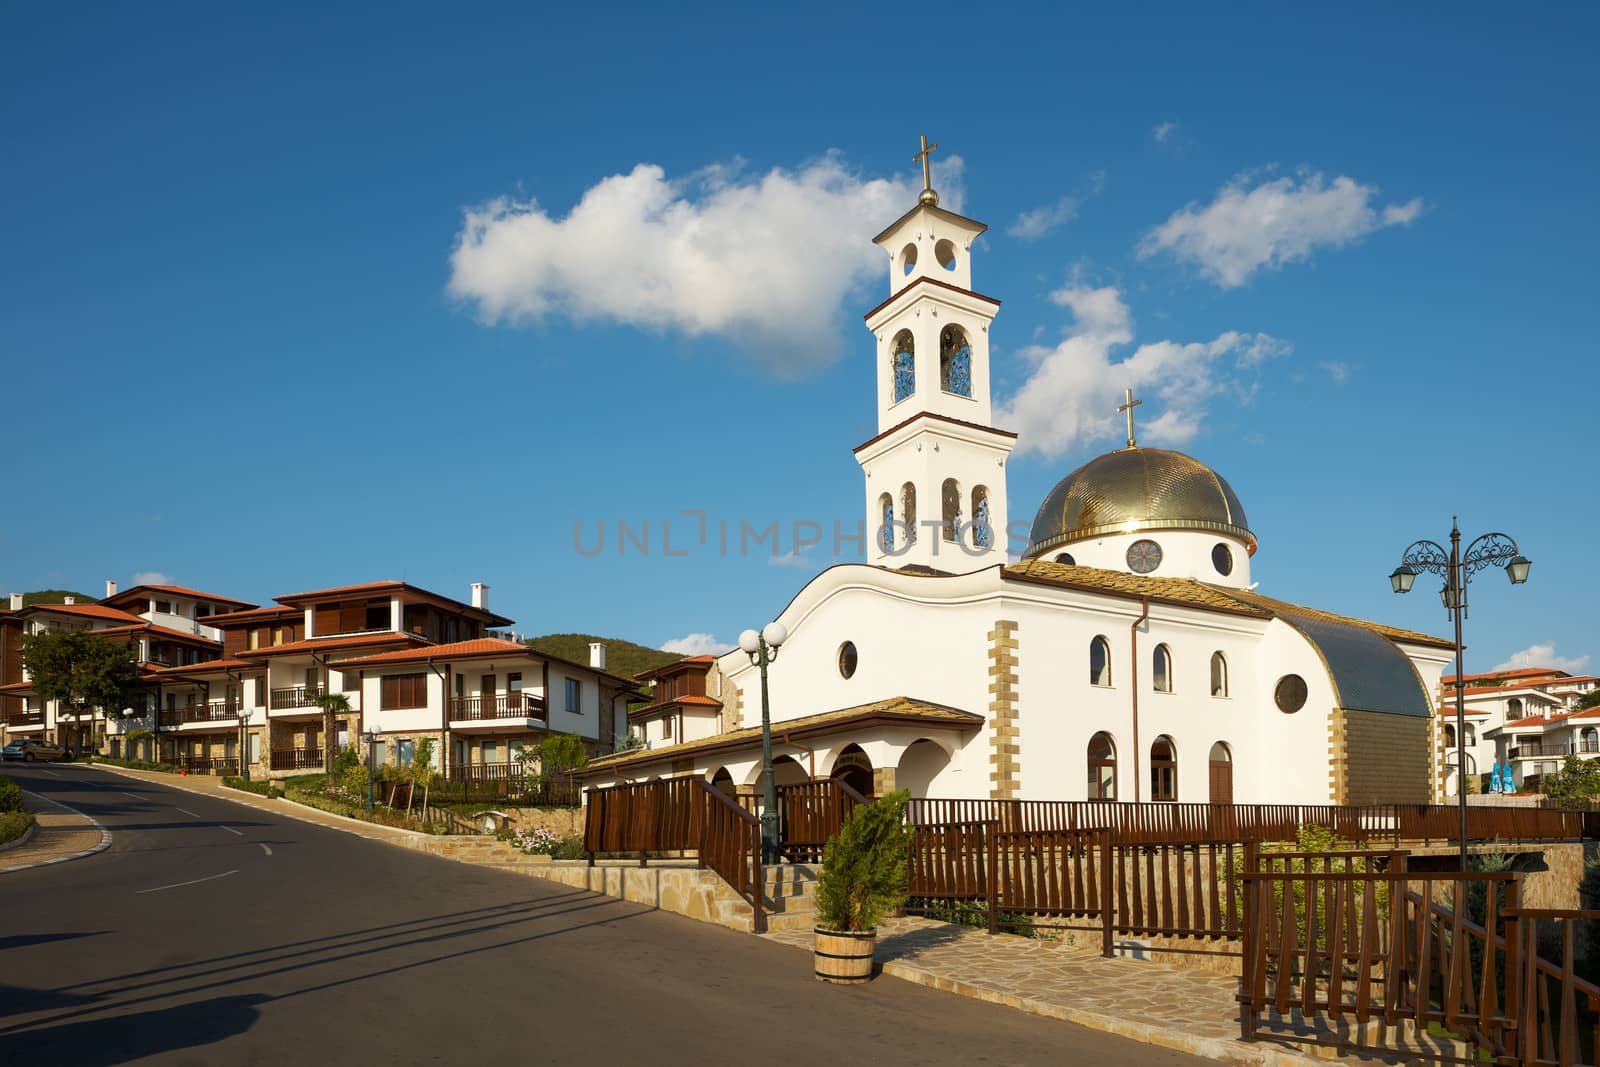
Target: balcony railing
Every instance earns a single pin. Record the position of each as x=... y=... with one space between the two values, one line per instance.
x=503 y=706
x=25 y=718
x=208 y=764
x=1568 y=749
x=296 y=759
x=215 y=711
x=300 y=696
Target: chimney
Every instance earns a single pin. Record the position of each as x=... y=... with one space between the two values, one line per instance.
x=69 y=600
x=597 y=655
x=480 y=596
x=16 y=601
x=111 y=589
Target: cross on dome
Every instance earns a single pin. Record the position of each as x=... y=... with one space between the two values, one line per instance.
x=1127 y=409
x=928 y=196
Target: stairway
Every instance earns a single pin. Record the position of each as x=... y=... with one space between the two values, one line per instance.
x=789 y=894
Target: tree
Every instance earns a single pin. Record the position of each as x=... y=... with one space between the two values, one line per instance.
x=562 y=754
x=1590 y=699
x=83 y=672
x=1578 y=779
x=331 y=704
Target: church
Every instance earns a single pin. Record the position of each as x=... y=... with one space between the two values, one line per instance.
x=1125 y=657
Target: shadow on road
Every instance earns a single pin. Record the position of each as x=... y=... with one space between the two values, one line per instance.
x=122 y=1038
x=22 y=940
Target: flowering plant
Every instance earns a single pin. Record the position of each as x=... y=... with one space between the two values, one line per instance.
x=538 y=841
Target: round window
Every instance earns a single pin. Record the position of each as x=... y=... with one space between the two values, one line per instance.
x=1291 y=693
x=847 y=659
x=1222 y=558
x=1066 y=557
x=1144 y=556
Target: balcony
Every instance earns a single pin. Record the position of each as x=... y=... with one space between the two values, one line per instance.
x=295 y=759
x=300 y=696
x=1571 y=748
x=25 y=720
x=207 y=764
x=216 y=711
x=480 y=709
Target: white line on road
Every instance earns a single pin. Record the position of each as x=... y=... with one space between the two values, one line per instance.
x=180 y=885
x=53 y=774
x=187 y=812
x=134 y=796
x=231 y=830
x=265 y=847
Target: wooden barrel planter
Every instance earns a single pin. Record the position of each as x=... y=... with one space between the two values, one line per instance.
x=844 y=957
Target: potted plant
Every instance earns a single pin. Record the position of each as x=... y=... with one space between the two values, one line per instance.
x=863 y=879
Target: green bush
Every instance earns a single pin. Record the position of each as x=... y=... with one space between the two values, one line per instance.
x=380 y=815
x=864 y=873
x=135 y=764
x=13 y=824
x=10 y=795
x=264 y=789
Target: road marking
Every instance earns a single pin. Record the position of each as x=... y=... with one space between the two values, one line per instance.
x=265 y=847
x=134 y=796
x=187 y=812
x=46 y=770
x=180 y=885
x=231 y=830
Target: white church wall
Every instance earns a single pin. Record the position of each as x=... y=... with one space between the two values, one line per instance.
x=1295 y=746
x=1184 y=554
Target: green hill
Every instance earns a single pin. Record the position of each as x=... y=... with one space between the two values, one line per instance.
x=622 y=657
x=56 y=596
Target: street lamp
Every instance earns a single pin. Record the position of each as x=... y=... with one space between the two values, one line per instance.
x=244 y=742
x=762 y=648
x=1457 y=568
x=371 y=738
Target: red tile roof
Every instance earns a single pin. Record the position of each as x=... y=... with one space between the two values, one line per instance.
x=96 y=611
x=390 y=586
x=693 y=700
x=164 y=631
x=177 y=590
x=1519 y=672
x=483 y=646
x=211 y=665
x=324 y=644
x=276 y=611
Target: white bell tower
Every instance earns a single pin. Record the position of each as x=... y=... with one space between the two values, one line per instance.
x=936 y=471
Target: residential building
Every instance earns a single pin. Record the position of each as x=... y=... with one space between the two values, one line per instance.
x=1528 y=716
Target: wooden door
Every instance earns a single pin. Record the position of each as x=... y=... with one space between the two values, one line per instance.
x=1221 y=781
x=486 y=697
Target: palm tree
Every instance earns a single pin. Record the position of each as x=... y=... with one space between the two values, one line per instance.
x=332 y=704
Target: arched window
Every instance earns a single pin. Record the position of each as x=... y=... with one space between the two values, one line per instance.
x=982 y=532
x=903 y=364
x=955 y=361
x=908 y=512
x=1221 y=773
x=1161 y=669
x=1514 y=708
x=908 y=259
x=1219 y=675
x=1163 y=769
x=886 y=516
x=1589 y=739
x=1470 y=734
x=1102 y=767
x=951 y=498
x=1449 y=735
x=1100 y=661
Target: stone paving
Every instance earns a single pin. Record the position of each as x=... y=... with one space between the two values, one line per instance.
x=1167 y=1006
x=62 y=834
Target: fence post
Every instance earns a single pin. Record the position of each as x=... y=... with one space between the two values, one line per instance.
x=992 y=874
x=1107 y=926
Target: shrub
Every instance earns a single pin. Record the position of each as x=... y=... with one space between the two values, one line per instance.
x=264 y=789
x=135 y=764
x=380 y=815
x=10 y=795
x=864 y=873
x=13 y=824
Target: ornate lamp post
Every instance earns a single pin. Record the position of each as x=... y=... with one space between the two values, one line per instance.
x=371 y=739
x=244 y=743
x=1457 y=568
x=762 y=648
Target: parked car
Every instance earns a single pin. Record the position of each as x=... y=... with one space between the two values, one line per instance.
x=29 y=750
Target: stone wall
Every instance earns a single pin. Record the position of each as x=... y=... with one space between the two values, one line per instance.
x=1004 y=744
x=1382 y=759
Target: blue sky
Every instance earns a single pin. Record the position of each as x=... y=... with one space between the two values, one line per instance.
x=302 y=297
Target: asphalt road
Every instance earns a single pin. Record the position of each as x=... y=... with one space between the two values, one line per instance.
x=211 y=932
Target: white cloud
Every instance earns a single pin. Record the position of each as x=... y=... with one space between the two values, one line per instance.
x=152 y=578
x=1543 y=655
x=1032 y=225
x=1338 y=370
x=1163 y=131
x=765 y=260
x=792 y=558
x=1275 y=222
x=696 y=645
x=1074 y=390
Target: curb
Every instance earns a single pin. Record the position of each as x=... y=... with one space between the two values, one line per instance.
x=105 y=839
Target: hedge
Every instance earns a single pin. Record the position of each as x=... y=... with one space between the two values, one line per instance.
x=10 y=795
x=381 y=815
x=13 y=824
x=135 y=764
x=264 y=789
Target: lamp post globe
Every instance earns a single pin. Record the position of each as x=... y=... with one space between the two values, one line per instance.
x=750 y=642
x=775 y=634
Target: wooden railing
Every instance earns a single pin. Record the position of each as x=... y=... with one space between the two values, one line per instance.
x=1441 y=822
x=810 y=814
x=507 y=783
x=300 y=696
x=25 y=718
x=207 y=764
x=679 y=815
x=295 y=759
x=1451 y=951
x=215 y=711
x=503 y=706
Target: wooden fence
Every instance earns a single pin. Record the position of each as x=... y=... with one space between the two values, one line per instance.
x=811 y=814
x=1344 y=949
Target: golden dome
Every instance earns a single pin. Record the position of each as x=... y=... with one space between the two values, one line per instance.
x=1137 y=489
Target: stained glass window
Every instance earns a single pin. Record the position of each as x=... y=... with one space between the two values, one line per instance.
x=886 y=531
x=952 y=510
x=908 y=512
x=955 y=361
x=904 y=364
x=982 y=532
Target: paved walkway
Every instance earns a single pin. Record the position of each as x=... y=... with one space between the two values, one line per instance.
x=1167 y=1006
x=62 y=834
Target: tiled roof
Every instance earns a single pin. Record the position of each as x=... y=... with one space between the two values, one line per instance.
x=177 y=590
x=152 y=628
x=693 y=700
x=390 y=586
x=1480 y=690
x=895 y=709
x=276 y=611
x=325 y=644
x=96 y=611
x=16 y=687
x=485 y=646
x=1519 y=672
x=211 y=665
x=1183 y=591
x=687 y=661
x=1393 y=633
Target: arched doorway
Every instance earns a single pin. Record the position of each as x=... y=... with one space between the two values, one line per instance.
x=854 y=769
x=1221 y=773
x=919 y=766
x=1163 y=769
x=722 y=782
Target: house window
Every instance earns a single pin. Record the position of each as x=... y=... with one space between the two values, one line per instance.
x=1290 y=693
x=405 y=750
x=1161 y=669
x=164 y=607
x=489 y=752
x=451 y=633
x=666 y=728
x=514 y=682
x=1163 y=769
x=255 y=639
x=277 y=635
x=1514 y=708
x=574 y=692
x=1100 y=662
x=405 y=691
x=1219 y=675
x=1102 y=767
